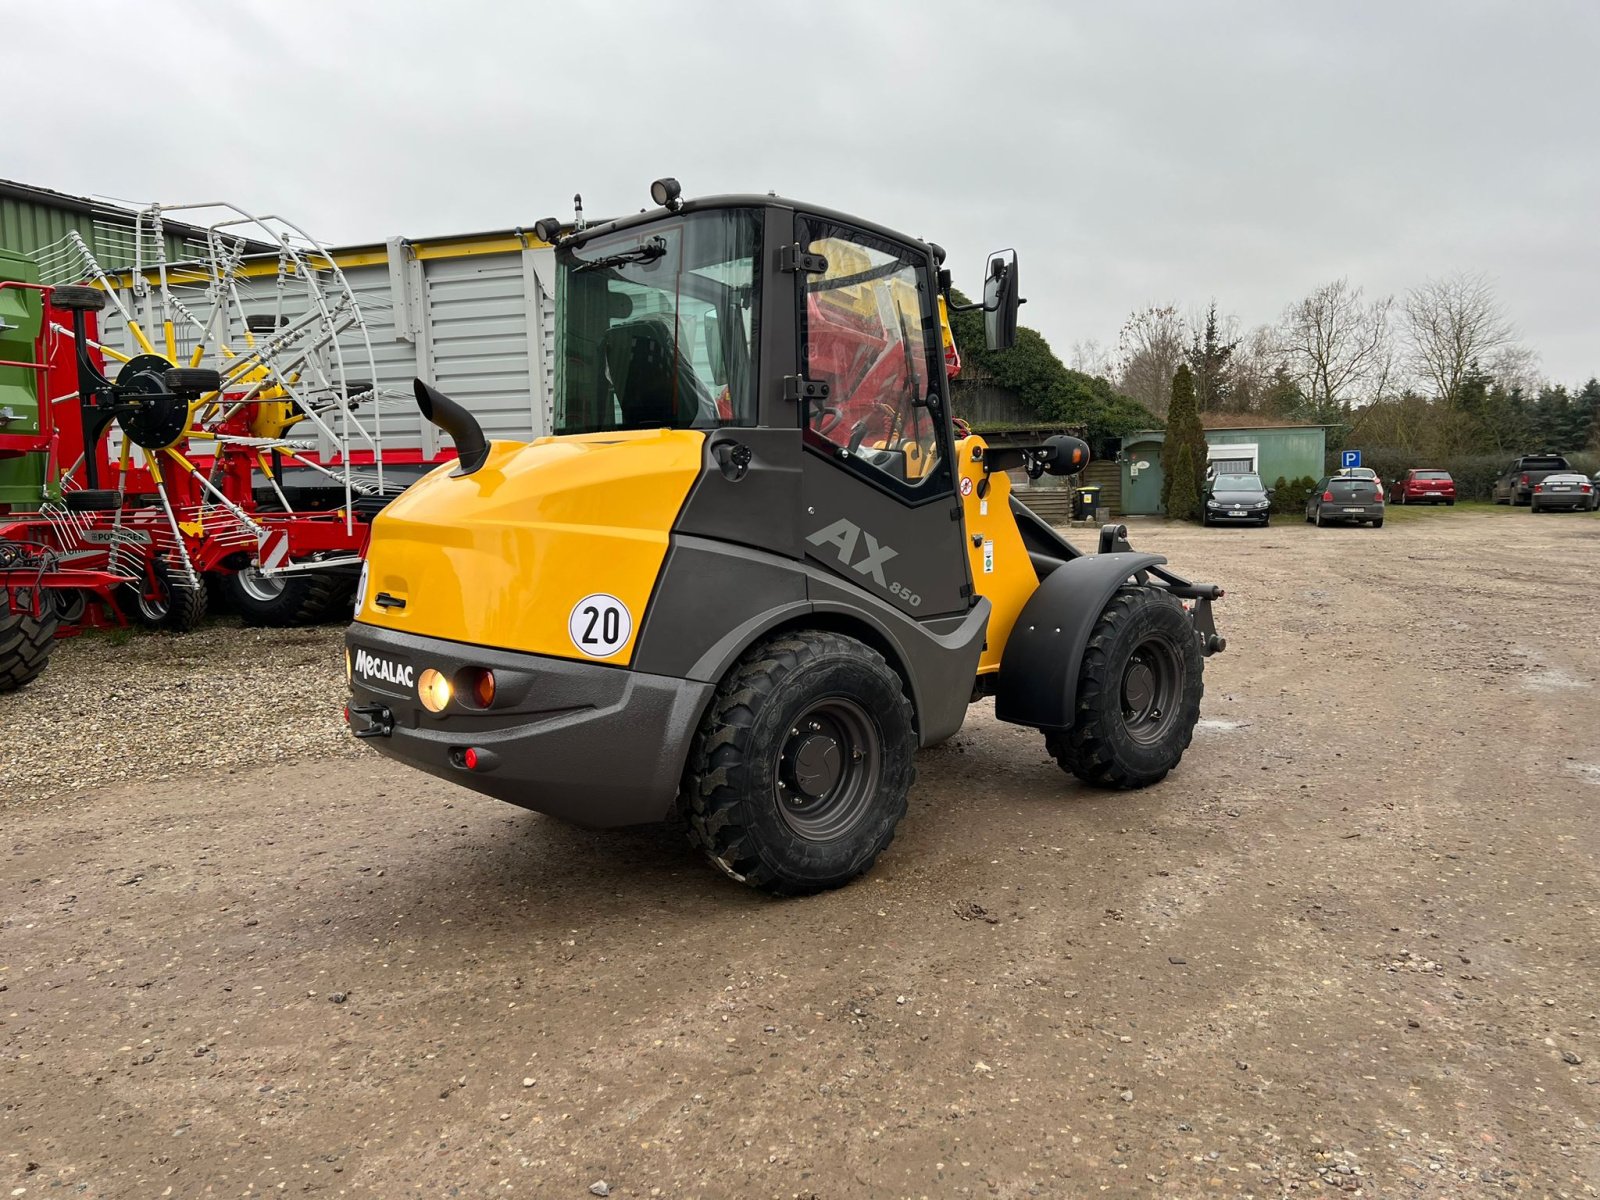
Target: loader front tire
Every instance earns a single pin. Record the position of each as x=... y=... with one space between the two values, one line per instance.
x=1138 y=694
x=798 y=774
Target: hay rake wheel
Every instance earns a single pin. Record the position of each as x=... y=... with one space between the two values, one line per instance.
x=254 y=356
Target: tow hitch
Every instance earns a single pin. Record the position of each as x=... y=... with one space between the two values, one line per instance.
x=380 y=721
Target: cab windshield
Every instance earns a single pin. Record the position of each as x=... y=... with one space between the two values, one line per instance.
x=657 y=326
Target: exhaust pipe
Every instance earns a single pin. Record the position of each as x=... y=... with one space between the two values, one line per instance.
x=471 y=448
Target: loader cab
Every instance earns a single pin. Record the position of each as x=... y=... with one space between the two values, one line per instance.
x=807 y=344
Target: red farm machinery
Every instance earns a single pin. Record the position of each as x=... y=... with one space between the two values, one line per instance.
x=227 y=450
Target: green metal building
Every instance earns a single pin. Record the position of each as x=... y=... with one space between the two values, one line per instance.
x=36 y=221
x=1272 y=451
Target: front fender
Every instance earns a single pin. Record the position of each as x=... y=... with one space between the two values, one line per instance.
x=1038 y=683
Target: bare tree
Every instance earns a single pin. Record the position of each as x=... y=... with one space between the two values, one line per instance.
x=1455 y=325
x=1090 y=357
x=1257 y=360
x=1337 y=347
x=1516 y=367
x=1150 y=349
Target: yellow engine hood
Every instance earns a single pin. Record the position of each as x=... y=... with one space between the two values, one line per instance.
x=507 y=556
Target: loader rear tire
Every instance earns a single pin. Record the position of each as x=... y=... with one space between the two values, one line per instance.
x=799 y=772
x=25 y=645
x=1138 y=694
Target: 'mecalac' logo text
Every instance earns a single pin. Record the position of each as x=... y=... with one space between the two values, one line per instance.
x=371 y=667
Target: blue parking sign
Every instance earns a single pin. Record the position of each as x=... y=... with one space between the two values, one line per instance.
x=1349 y=458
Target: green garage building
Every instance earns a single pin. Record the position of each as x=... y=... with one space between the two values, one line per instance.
x=1271 y=451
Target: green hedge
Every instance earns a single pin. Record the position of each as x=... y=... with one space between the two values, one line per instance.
x=1290 y=497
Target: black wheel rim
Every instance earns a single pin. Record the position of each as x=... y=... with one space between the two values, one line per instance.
x=828 y=769
x=1151 y=684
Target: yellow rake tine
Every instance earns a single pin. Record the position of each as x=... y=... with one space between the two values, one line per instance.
x=138 y=335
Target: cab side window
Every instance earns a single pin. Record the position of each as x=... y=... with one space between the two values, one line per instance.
x=869 y=329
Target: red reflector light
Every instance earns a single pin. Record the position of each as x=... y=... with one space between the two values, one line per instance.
x=469 y=758
x=1538 y=487
x=475 y=685
x=347 y=714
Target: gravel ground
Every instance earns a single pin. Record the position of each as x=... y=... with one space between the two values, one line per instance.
x=148 y=707
x=1349 y=947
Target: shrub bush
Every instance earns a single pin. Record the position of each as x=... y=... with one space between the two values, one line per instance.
x=1291 y=497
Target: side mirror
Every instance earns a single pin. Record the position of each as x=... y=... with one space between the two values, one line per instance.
x=1268 y=493
x=1063 y=455
x=1001 y=300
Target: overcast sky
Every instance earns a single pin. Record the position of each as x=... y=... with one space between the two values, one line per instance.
x=1133 y=153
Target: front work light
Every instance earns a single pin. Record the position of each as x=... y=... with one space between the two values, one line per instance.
x=433 y=689
x=665 y=192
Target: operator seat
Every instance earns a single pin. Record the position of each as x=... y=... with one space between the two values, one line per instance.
x=641 y=360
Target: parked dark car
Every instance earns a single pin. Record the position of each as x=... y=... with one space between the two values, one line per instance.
x=1236 y=498
x=1515 y=487
x=1346 y=499
x=1568 y=490
x=1423 y=487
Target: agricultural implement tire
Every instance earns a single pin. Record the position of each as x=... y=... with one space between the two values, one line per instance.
x=70 y=604
x=283 y=600
x=1138 y=694
x=25 y=644
x=192 y=382
x=176 y=607
x=92 y=500
x=75 y=297
x=798 y=774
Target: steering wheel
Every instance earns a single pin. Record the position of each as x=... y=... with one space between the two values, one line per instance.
x=828 y=417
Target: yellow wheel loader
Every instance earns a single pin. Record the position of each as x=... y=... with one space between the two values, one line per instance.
x=755 y=569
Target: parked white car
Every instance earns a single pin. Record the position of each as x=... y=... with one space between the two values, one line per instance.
x=1564 y=489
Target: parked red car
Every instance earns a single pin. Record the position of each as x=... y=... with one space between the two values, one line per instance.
x=1423 y=487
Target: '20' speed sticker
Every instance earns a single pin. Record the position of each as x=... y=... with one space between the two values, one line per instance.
x=599 y=625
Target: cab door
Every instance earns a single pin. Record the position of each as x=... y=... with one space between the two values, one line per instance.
x=879 y=505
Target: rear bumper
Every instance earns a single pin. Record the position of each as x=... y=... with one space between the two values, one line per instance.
x=1428 y=497
x=1356 y=512
x=1574 y=500
x=598 y=746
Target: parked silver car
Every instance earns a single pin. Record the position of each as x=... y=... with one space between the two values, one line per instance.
x=1564 y=489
